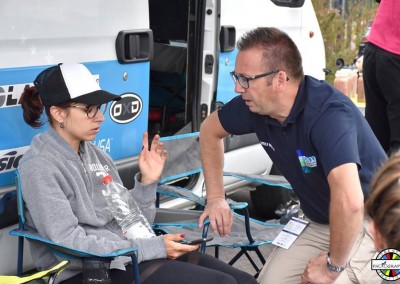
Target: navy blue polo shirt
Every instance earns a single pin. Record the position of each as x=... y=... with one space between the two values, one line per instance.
x=323 y=130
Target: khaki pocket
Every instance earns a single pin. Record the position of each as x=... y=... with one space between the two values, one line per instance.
x=360 y=264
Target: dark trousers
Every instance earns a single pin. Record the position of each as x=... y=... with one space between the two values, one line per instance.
x=381 y=73
x=193 y=268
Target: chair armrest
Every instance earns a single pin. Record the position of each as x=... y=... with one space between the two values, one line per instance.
x=180 y=192
x=236 y=205
x=273 y=180
x=67 y=252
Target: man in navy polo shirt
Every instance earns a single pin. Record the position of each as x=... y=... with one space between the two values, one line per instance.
x=319 y=141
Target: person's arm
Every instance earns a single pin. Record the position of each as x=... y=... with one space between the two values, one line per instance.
x=145 y=197
x=346 y=219
x=212 y=157
x=346 y=211
x=151 y=165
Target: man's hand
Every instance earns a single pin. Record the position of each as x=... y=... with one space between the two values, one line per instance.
x=219 y=214
x=317 y=271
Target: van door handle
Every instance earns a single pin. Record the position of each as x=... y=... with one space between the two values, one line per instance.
x=209 y=64
x=227 y=38
x=134 y=46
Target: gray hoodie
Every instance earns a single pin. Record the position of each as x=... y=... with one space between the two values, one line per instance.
x=64 y=202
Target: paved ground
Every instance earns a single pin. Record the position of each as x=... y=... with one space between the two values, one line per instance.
x=243 y=263
x=227 y=254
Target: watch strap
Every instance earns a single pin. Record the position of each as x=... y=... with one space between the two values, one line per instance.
x=333 y=267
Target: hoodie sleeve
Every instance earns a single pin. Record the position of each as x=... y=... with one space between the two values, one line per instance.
x=145 y=196
x=155 y=248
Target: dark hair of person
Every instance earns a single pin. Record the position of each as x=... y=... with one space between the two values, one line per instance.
x=33 y=108
x=280 y=51
x=383 y=203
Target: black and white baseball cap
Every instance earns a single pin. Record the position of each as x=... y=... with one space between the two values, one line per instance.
x=70 y=82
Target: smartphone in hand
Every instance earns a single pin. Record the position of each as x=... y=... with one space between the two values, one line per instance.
x=196 y=241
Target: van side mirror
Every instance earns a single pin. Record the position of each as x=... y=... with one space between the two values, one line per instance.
x=289 y=3
x=227 y=38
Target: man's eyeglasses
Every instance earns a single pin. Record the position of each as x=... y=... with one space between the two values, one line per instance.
x=91 y=110
x=244 y=81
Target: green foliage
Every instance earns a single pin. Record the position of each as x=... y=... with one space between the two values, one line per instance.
x=342 y=32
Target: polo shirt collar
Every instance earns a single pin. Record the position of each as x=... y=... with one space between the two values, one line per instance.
x=299 y=104
x=297 y=108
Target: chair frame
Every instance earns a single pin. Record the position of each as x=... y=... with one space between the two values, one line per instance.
x=49 y=274
x=178 y=192
x=172 y=174
x=68 y=253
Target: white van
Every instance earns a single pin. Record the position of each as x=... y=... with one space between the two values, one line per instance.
x=170 y=61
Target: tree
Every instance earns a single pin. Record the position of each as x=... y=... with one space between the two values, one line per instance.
x=343 y=33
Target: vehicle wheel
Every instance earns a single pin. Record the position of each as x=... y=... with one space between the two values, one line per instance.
x=267 y=198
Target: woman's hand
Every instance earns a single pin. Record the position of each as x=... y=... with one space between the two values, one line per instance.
x=151 y=161
x=175 y=249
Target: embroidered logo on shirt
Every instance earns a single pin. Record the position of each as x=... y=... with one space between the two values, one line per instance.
x=306 y=163
x=269 y=145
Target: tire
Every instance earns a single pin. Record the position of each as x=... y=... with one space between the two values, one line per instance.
x=266 y=199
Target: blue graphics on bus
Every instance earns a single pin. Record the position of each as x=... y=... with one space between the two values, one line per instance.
x=125 y=120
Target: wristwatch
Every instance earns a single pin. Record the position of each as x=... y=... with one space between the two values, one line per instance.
x=333 y=267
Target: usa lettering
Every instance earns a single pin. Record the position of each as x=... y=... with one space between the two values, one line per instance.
x=103 y=144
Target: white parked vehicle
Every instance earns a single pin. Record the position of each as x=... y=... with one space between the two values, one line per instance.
x=170 y=61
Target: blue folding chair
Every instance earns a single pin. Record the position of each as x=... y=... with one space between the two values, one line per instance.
x=64 y=252
x=248 y=234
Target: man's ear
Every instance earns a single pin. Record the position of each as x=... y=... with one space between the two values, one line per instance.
x=57 y=113
x=282 y=79
x=378 y=239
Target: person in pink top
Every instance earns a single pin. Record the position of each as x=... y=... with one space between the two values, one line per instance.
x=381 y=71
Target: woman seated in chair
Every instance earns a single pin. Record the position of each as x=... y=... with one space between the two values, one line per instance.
x=61 y=178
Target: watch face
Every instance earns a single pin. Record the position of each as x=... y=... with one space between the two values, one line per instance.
x=334 y=268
